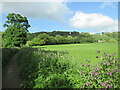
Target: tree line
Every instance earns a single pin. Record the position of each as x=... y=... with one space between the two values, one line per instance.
x=17 y=35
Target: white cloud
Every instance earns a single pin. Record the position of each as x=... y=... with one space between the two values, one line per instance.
x=94 y=21
x=39 y=10
x=106 y=4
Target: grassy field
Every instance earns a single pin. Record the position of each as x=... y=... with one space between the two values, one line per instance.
x=80 y=52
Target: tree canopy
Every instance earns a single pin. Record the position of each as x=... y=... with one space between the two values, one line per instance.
x=16 y=32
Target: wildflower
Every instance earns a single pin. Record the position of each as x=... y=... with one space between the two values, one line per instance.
x=108 y=81
x=106 y=87
x=81 y=72
x=96 y=56
x=107 y=73
x=96 y=74
x=117 y=59
x=97 y=51
x=115 y=70
x=87 y=83
x=96 y=77
x=91 y=73
x=102 y=84
x=87 y=77
x=110 y=73
x=87 y=65
x=106 y=54
x=82 y=65
x=110 y=85
x=96 y=68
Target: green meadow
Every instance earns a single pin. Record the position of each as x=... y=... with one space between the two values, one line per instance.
x=79 y=53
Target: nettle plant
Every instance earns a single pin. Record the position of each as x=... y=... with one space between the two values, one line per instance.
x=104 y=75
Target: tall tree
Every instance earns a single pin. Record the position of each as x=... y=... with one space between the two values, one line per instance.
x=16 y=32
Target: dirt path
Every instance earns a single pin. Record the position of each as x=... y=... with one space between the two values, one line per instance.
x=10 y=74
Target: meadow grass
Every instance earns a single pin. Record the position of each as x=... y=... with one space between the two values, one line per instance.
x=79 y=53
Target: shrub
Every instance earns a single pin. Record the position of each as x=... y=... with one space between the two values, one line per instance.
x=47 y=69
x=39 y=66
x=7 y=53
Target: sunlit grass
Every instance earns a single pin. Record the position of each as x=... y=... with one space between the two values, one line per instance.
x=80 y=52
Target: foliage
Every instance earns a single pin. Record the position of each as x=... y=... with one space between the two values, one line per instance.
x=103 y=75
x=15 y=34
x=46 y=69
x=104 y=37
x=39 y=66
x=7 y=53
x=45 y=39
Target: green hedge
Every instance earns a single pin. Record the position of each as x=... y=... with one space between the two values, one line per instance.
x=7 y=53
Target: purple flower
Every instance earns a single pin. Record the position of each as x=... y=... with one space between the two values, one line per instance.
x=87 y=77
x=106 y=54
x=87 y=83
x=97 y=51
x=82 y=65
x=107 y=73
x=96 y=56
x=81 y=72
x=102 y=84
x=110 y=85
x=87 y=65
x=116 y=59
x=96 y=68
x=115 y=70
x=91 y=73
x=96 y=74
x=108 y=81
x=106 y=87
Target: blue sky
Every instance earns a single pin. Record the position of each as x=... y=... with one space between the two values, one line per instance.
x=69 y=16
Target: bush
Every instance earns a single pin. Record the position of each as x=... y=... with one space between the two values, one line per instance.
x=39 y=66
x=7 y=53
x=103 y=75
x=47 y=69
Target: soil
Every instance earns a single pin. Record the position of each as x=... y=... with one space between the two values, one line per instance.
x=10 y=77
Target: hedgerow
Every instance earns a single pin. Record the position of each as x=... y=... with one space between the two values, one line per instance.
x=47 y=69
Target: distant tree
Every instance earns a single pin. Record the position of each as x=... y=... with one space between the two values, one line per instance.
x=70 y=39
x=16 y=32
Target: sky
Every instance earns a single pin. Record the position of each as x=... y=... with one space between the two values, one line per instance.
x=93 y=17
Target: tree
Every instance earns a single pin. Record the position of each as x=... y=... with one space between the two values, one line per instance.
x=16 y=32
